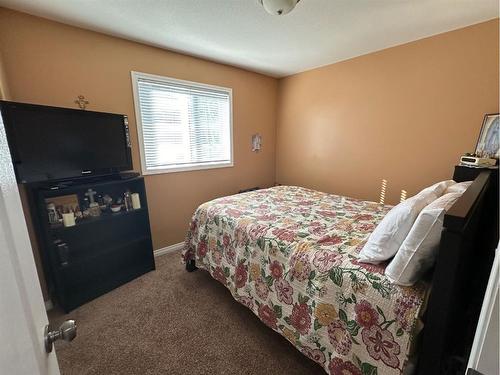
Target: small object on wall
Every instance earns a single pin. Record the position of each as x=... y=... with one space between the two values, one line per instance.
x=69 y=219
x=488 y=143
x=136 y=201
x=81 y=102
x=402 y=198
x=383 y=189
x=256 y=142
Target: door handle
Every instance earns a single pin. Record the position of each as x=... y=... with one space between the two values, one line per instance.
x=66 y=332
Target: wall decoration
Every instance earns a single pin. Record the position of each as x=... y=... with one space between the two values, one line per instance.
x=488 y=142
x=81 y=102
x=256 y=142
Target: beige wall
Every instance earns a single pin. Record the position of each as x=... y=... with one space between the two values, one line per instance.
x=51 y=63
x=405 y=114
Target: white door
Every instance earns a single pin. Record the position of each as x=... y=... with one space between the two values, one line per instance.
x=485 y=352
x=22 y=311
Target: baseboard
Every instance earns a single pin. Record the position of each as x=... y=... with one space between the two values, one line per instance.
x=169 y=249
x=49 y=305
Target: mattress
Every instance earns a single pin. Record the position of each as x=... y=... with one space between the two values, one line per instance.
x=289 y=254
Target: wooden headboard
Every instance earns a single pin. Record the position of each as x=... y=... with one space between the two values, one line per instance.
x=456 y=290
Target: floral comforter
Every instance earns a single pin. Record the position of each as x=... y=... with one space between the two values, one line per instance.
x=289 y=254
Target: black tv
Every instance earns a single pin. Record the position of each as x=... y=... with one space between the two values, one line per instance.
x=51 y=143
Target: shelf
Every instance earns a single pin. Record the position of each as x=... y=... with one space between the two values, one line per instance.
x=93 y=220
x=103 y=252
x=48 y=190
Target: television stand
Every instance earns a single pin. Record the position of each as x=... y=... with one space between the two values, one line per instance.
x=98 y=253
x=128 y=175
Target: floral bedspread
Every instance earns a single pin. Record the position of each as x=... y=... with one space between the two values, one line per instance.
x=289 y=254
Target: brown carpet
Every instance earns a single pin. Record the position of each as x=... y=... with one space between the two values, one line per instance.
x=174 y=322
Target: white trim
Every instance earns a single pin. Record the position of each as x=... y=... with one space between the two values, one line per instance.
x=194 y=167
x=138 y=119
x=169 y=249
x=486 y=313
x=48 y=305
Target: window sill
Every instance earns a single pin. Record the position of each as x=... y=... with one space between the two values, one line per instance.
x=187 y=168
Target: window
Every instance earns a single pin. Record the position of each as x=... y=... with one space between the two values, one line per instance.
x=182 y=125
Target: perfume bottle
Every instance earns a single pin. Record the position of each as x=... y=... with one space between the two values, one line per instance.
x=52 y=213
x=127 y=198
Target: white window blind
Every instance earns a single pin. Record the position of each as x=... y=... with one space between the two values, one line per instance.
x=182 y=125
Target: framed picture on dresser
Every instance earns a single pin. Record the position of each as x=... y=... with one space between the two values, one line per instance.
x=488 y=142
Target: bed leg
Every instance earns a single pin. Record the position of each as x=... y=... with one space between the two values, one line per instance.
x=190 y=266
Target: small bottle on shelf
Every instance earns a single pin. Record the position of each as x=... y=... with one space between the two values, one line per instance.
x=127 y=198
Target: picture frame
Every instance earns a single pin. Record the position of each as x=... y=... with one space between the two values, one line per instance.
x=65 y=202
x=256 y=142
x=488 y=142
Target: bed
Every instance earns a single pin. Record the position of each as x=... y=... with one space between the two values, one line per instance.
x=289 y=254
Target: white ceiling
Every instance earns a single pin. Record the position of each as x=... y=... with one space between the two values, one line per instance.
x=241 y=33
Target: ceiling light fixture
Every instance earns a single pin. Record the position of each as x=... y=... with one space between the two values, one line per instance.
x=278 y=7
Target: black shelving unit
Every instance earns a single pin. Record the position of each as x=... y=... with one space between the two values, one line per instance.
x=104 y=252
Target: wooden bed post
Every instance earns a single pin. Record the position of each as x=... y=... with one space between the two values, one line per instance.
x=450 y=311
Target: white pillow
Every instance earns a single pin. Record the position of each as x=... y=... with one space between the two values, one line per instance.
x=439 y=188
x=458 y=188
x=418 y=251
x=388 y=236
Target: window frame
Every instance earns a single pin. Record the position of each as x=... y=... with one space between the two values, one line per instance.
x=135 y=76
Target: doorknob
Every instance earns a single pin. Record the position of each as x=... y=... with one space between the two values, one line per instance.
x=67 y=332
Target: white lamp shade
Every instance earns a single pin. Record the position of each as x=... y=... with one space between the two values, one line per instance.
x=278 y=7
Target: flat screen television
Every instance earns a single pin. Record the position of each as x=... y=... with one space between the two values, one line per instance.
x=51 y=143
